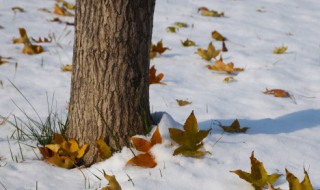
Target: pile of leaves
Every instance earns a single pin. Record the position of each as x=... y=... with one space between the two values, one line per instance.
x=63 y=153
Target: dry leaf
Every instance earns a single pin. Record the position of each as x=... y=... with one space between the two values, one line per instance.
x=221 y=66
x=258 y=177
x=61 y=11
x=145 y=160
x=210 y=53
x=103 y=149
x=280 y=50
x=183 y=102
x=66 y=68
x=294 y=182
x=188 y=43
x=28 y=47
x=217 y=36
x=172 y=29
x=224 y=47
x=212 y=13
x=278 y=93
x=4 y=60
x=190 y=140
x=272 y=188
x=181 y=24
x=157 y=49
x=229 y=79
x=113 y=183
x=17 y=9
x=23 y=37
x=153 y=78
x=234 y=128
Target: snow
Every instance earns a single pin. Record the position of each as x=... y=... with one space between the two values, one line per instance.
x=283 y=131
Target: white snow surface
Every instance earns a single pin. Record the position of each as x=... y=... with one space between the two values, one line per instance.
x=284 y=132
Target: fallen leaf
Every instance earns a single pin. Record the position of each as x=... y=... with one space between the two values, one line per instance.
x=229 y=79
x=157 y=49
x=61 y=11
x=28 y=47
x=258 y=177
x=188 y=43
x=66 y=68
x=145 y=160
x=172 y=29
x=23 y=37
x=278 y=93
x=190 y=140
x=17 y=9
x=113 y=183
x=234 y=128
x=181 y=24
x=103 y=149
x=183 y=102
x=294 y=182
x=4 y=60
x=212 y=13
x=280 y=50
x=217 y=36
x=221 y=66
x=210 y=53
x=153 y=78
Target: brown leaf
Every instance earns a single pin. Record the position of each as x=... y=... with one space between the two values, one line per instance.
x=224 y=47
x=153 y=78
x=157 y=49
x=23 y=37
x=145 y=160
x=234 y=128
x=221 y=66
x=183 y=102
x=217 y=36
x=208 y=54
x=278 y=93
x=113 y=183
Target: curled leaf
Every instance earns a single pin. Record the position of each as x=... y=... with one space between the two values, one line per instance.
x=188 y=43
x=277 y=93
x=183 y=102
x=217 y=36
x=280 y=50
x=153 y=78
x=113 y=183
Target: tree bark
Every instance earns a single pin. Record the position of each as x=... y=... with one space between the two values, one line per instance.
x=110 y=77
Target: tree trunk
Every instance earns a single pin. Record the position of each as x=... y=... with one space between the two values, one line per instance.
x=110 y=78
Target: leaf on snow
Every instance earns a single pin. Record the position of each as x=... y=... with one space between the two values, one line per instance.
x=211 y=13
x=277 y=93
x=190 y=140
x=156 y=49
x=172 y=29
x=294 y=182
x=208 y=54
x=188 y=43
x=153 y=78
x=181 y=24
x=28 y=47
x=234 y=128
x=221 y=66
x=280 y=50
x=217 y=36
x=113 y=183
x=258 y=177
x=61 y=11
x=183 y=102
x=145 y=160
x=66 y=68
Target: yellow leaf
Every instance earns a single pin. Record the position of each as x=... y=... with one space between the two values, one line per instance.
x=172 y=29
x=258 y=177
x=280 y=50
x=23 y=37
x=61 y=11
x=82 y=151
x=210 y=53
x=211 y=13
x=190 y=140
x=66 y=68
x=294 y=182
x=32 y=49
x=103 y=149
x=61 y=161
x=188 y=43
x=228 y=79
x=113 y=183
x=53 y=147
x=217 y=36
x=221 y=66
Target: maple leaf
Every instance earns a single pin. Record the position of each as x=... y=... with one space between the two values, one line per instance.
x=280 y=50
x=103 y=149
x=190 y=140
x=153 y=78
x=294 y=182
x=188 y=43
x=217 y=36
x=28 y=47
x=278 y=93
x=145 y=160
x=221 y=66
x=234 y=128
x=157 y=49
x=258 y=177
x=208 y=54
x=113 y=183
x=183 y=102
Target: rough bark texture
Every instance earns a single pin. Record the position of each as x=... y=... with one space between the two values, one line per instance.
x=110 y=78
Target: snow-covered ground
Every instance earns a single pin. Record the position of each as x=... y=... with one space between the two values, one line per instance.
x=284 y=132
